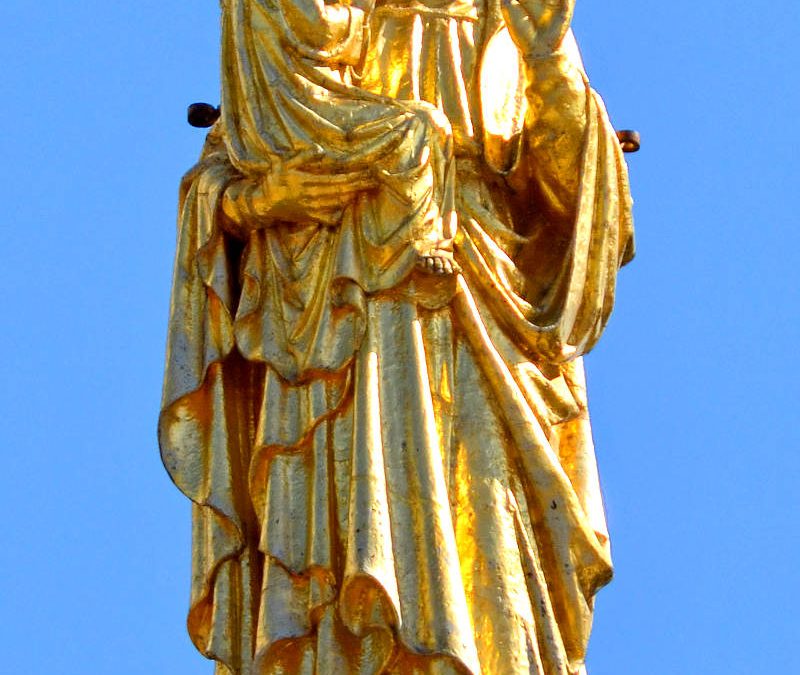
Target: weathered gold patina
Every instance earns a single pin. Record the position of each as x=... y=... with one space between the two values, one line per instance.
x=403 y=234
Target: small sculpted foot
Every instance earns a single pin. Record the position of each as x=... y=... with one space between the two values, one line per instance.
x=438 y=262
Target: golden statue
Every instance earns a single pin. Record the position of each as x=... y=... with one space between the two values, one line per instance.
x=402 y=236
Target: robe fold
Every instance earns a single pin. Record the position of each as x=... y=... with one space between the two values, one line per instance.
x=388 y=478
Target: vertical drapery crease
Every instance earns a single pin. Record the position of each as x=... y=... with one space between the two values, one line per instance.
x=394 y=473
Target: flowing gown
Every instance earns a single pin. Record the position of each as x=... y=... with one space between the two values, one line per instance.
x=393 y=479
x=288 y=96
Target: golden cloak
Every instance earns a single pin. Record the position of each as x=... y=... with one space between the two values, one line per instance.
x=387 y=479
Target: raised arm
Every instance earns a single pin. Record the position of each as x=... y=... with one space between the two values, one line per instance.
x=572 y=181
x=557 y=91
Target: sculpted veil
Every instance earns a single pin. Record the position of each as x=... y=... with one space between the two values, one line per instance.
x=402 y=236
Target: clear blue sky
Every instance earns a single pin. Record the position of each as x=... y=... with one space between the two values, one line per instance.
x=694 y=388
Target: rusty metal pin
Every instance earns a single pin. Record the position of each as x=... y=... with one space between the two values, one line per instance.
x=631 y=141
x=202 y=115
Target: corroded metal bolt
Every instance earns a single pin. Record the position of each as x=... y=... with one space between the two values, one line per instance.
x=631 y=141
x=202 y=115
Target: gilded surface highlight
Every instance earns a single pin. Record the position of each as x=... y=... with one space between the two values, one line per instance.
x=402 y=236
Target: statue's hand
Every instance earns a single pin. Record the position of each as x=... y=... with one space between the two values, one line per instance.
x=538 y=26
x=291 y=194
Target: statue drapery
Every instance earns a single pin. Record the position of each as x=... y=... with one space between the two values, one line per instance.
x=393 y=471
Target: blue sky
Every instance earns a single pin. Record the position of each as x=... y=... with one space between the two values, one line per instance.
x=694 y=389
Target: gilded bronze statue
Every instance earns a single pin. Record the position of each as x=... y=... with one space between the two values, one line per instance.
x=402 y=236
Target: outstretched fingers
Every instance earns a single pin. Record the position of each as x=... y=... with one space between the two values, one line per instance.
x=520 y=24
x=538 y=26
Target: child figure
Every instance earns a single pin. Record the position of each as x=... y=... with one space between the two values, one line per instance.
x=288 y=93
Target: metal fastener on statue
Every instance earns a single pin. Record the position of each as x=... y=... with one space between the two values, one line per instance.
x=204 y=115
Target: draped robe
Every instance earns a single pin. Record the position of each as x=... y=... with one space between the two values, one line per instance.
x=402 y=478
